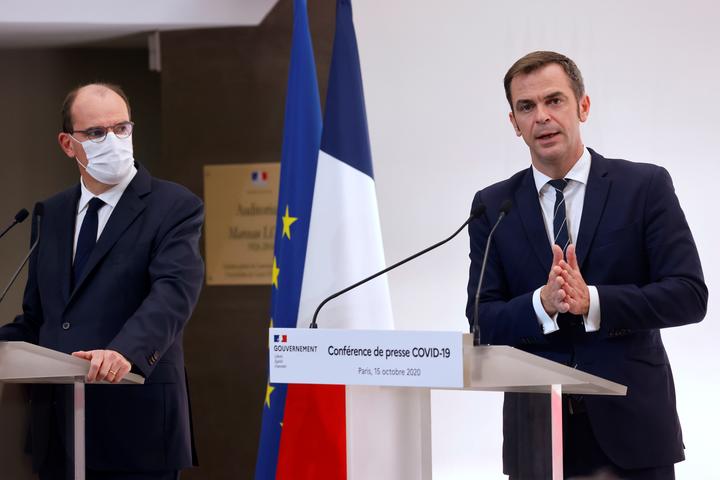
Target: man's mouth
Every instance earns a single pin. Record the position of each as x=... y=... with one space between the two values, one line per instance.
x=547 y=136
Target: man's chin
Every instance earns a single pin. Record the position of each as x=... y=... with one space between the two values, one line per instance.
x=550 y=155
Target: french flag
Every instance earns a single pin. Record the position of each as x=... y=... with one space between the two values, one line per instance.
x=259 y=177
x=328 y=190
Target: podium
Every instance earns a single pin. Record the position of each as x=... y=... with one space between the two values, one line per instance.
x=483 y=368
x=22 y=362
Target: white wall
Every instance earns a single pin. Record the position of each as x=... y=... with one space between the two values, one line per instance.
x=439 y=130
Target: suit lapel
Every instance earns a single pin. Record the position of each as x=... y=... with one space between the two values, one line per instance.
x=596 y=193
x=528 y=206
x=125 y=212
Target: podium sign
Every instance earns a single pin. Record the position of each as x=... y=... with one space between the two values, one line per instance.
x=366 y=357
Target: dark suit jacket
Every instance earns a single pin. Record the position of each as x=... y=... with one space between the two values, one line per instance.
x=138 y=290
x=635 y=246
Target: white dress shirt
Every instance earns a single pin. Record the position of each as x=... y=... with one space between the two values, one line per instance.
x=111 y=199
x=574 y=194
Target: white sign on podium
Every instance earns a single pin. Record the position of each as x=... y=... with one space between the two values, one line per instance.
x=366 y=357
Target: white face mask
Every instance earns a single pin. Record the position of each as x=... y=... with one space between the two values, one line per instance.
x=109 y=161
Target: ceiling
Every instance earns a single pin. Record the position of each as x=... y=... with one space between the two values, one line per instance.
x=50 y=23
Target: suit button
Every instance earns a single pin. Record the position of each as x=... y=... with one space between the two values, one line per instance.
x=66 y=326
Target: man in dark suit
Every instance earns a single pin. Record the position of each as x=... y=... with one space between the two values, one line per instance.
x=592 y=261
x=114 y=280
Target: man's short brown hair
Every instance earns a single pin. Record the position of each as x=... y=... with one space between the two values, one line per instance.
x=536 y=60
x=66 y=113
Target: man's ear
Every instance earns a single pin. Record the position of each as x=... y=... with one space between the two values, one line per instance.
x=514 y=124
x=66 y=144
x=584 y=108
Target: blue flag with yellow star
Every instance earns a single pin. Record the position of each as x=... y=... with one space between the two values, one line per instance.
x=301 y=142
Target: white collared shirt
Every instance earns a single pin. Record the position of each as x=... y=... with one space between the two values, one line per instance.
x=111 y=198
x=574 y=194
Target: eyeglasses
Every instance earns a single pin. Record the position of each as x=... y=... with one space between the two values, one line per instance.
x=98 y=134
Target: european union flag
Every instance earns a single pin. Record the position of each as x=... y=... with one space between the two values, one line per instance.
x=301 y=142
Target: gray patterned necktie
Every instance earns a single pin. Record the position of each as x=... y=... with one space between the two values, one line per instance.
x=560 y=226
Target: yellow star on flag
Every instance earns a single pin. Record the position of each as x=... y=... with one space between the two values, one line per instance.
x=287 y=221
x=269 y=390
x=275 y=273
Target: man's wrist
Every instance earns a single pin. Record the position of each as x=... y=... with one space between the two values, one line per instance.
x=592 y=319
x=586 y=307
x=547 y=322
x=549 y=310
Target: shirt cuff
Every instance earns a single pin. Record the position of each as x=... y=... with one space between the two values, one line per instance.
x=548 y=323
x=592 y=319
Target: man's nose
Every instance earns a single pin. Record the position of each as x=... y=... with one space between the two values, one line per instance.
x=541 y=114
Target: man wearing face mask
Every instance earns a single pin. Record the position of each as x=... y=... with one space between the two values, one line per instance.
x=114 y=279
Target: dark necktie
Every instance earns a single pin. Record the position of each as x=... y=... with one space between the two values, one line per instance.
x=86 y=238
x=560 y=226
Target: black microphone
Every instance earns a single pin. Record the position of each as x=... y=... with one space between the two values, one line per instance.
x=476 y=212
x=504 y=209
x=19 y=218
x=37 y=213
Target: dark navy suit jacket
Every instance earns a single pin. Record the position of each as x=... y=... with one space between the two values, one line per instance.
x=137 y=292
x=635 y=246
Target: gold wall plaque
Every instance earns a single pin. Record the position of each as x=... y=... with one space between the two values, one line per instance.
x=241 y=211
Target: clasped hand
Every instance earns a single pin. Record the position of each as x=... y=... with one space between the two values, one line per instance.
x=565 y=290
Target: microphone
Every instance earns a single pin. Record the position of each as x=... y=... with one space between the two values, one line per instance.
x=476 y=212
x=504 y=209
x=38 y=213
x=19 y=218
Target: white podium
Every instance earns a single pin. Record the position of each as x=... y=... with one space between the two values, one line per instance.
x=22 y=362
x=484 y=368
